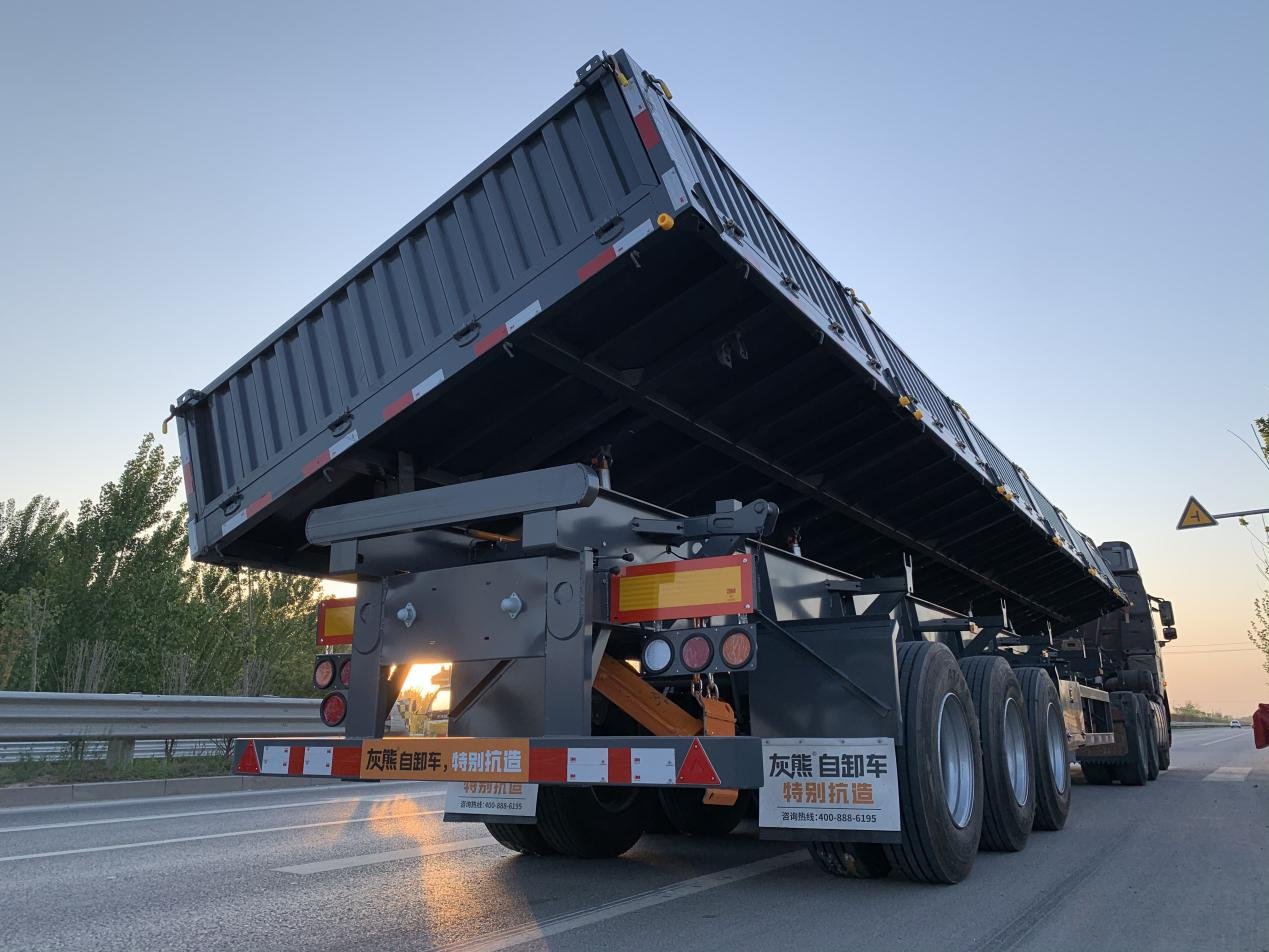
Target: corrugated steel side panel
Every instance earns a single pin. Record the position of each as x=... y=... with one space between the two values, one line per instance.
x=756 y=225
x=521 y=211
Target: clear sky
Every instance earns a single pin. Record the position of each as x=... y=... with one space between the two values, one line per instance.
x=1061 y=211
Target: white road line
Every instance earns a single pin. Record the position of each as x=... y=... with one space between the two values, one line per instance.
x=536 y=931
x=1221 y=740
x=391 y=856
x=1229 y=773
x=212 y=836
x=177 y=816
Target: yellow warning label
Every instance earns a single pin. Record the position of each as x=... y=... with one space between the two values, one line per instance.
x=1195 y=516
x=722 y=585
x=679 y=589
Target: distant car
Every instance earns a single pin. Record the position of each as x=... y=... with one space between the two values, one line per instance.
x=1235 y=723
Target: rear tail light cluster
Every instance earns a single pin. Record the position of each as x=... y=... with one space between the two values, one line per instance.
x=333 y=709
x=331 y=672
x=697 y=651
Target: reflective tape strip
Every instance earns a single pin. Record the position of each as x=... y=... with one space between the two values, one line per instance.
x=500 y=333
x=430 y=382
x=303 y=760
x=238 y=518
x=647 y=129
x=325 y=456
x=652 y=765
x=616 y=765
x=618 y=247
x=674 y=185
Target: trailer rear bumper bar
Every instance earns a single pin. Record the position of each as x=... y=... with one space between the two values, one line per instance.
x=704 y=762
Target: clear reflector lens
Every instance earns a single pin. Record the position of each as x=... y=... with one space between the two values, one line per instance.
x=697 y=653
x=323 y=673
x=736 y=649
x=333 y=709
x=657 y=655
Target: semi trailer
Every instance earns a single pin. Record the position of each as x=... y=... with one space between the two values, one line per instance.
x=697 y=535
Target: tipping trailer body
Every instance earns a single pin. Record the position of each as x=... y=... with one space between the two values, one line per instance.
x=607 y=280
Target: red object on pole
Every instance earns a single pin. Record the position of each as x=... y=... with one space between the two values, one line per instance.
x=1260 y=725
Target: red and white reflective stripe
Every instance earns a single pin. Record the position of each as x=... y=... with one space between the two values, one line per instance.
x=621 y=765
x=503 y=331
x=431 y=382
x=242 y=515
x=325 y=456
x=610 y=254
x=642 y=117
x=299 y=760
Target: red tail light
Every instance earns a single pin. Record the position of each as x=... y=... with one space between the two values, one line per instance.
x=333 y=709
x=345 y=672
x=697 y=652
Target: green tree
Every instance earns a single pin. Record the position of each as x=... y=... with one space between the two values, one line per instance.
x=119 y=572
x=110 y=601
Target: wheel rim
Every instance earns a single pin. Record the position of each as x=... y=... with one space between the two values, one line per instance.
x=1015 y=741
x=1055 y=740
x=956 y=759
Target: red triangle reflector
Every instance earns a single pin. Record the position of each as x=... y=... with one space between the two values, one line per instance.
x=249 y=762
x=696 y=766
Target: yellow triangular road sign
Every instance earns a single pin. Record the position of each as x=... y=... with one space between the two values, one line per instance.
x=1195 y=516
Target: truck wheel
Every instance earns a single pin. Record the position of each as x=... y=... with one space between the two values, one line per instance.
x=850 y=860
x=523 y=838
x=1165 y=751
x=1152 y=745
x=692 y=817
x=1134 y=770
x=1097 y=775
x=592 y=822
x=940 y=768
x=1008 y=778
x=1048 y=740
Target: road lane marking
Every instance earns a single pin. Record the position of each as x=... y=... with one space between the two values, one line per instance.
x=213 y=836
x=391 y=856
x=536 y=931
x=1229 y=773
x=177 y=816
x=1221 y=740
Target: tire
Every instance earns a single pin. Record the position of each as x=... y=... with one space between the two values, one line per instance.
x=1097 y=775
x=592 y=822
x=689 y=815
x=1165 y=749
x=851 y=860
x=940 y=768
x=1134 y=771
x=1008 y=775
x=523 y=838
x=1052 y=756
x=1152 y=745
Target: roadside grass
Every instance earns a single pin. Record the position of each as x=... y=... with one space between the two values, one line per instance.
x=31 y=772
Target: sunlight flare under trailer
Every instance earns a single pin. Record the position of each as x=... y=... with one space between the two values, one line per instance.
x=572 y=429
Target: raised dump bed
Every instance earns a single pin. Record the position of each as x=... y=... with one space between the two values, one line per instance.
x=607 y=283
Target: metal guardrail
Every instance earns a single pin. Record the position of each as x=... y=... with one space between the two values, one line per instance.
x=60 y=750
x=122 y=719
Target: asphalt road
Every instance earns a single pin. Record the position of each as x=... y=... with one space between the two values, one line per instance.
x=1180 y=864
